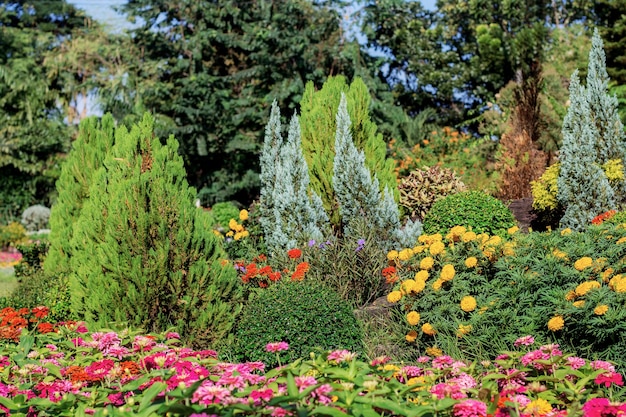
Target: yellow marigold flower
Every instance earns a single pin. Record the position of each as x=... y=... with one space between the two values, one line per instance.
x=566 y=232
x=621 y=240
x=582 y=263
x=217 y=233
x=418 y=287
x=606 y=275
x=232 y=224
x=463 y=330
x=468 y=303
x=483 y=237
x=421 y=275
x=508 y=249
x=471 y=262
x=494 y=241
x=585 y=287
x=571 y=295
x=245 y=233
x=458 y=230
x=489 y=253
x=437 y=284
x=413 y=318
x=512 y=230
x=538 y=407
x=393 y=255
x=230 y=233
x=407 y=285
x=238 y=235
x=394 y=296
x=556 y=323
x=447 y=272
x=428 y=329
x=434 y=351
x=419 y=249
x=618 y=283
x=468 y=237
x=411 y=336
x=243 y=215
x=559 y=254
x=579 y=303
x=238 y=228
x=436 y=248
x=600 y=309
x=417 y=380
x=405 y=254
x=427 y=263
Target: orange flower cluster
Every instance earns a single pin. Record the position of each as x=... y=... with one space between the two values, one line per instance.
x=301 y=269
x=390 y=274
x=264 y=275
x=600 y=218
x=12 y=321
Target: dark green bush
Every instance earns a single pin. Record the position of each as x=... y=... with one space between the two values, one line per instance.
x=221 y=213
x=307 y=316
x=472 y=209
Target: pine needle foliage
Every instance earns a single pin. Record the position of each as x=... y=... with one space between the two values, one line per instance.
x=95 y=139
x=318 y=111
x=291 y=213
x=592 y=137
x=143 y=254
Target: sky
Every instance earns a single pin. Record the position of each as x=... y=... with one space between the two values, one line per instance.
x=102 y=10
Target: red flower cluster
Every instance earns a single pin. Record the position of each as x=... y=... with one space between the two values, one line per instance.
x=301 y=269
x=294 y=253
x=264 y=275
x=600 y=218
x=391 y=274
x=12 y=321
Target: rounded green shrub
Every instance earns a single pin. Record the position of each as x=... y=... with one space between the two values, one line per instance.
x=472 y=209
x=12 y=234
x=307 y=316
x=221 y=213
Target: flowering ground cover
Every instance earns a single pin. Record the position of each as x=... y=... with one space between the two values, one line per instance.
x=63 y=369
x=9 y=259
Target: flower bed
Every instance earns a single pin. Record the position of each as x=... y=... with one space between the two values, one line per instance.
x=9 y=259
x=63 y=369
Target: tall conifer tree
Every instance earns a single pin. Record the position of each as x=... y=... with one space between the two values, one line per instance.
x=143 y=253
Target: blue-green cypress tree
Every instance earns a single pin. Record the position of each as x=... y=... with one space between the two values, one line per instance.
x=143 y=253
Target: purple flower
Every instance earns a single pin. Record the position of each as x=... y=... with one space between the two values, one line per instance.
x=311 y=243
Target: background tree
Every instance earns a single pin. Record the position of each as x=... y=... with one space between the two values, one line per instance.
x=210 y=70
x=32 y=131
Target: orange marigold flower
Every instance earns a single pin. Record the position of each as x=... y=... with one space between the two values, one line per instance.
x=44 y=328
x=294 y=253
x=41 y=312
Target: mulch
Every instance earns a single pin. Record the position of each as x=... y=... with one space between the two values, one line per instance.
x=523 y=212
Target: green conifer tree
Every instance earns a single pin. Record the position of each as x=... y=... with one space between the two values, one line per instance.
x=318 y=111
x=583 y=188
x=357 y=189
x=94 y=140
x=143 y=253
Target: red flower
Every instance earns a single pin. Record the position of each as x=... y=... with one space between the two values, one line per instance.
x=44 y=328
x=294 y=253
x=600 y=218
x=609 y=378
x=41 y=312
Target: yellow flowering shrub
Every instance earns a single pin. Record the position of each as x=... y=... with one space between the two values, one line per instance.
x=544 y=190
x=614 y=170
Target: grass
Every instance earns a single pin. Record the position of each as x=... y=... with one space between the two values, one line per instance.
x=8 y=282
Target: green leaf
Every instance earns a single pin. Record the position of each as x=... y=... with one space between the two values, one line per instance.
x=150 y=394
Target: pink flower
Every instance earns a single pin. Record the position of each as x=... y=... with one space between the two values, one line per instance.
x=303 y=382
x=575 y=362
x=209 y=393
x=609 y=378
x=321 y=394
x=603 y=365
x=339 y=356
x=411 y=371
x=380 y=360
x=601 y=407
x=100 y=369
x=261 y=395
x=470 y=408
x=276 y=346
x=441 y=362
x=172 y=335
x=280 y=412
x=443 y=390
x=524 y=341
x=464 y=381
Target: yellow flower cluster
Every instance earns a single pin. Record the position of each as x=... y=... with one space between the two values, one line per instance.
x=600 y=309
x=606 y=275
x=614 y=170
x=428 y=329
x=437 y=248
x=427 y=263
x=468 y=303
x=421 y=276
x=579 y=303
x=468 y=237
x=394 y=296
x=566 y=232
x=556 y=323
x=447 y=273
x=538 y=408
x=405 y=254
x=430 y=239
x=456 y=233
x=237 y=231
x=618 y=283
x=463 y=330
x=471 y=262
x=413 y=318
x=512 y=230
x=621 y=240
x=585 y=287
x=392 y=255
x=583 y=263
x=411 y=286
x=434 y=351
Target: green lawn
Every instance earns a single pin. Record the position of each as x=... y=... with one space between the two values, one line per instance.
x=8 y=283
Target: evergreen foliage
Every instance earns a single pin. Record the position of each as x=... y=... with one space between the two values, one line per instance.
x=592 y=137
x=95 y=139
x=143 y=253
x=318 y=111
x=291 y=213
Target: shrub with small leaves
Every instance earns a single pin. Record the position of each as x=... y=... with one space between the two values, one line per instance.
x=305 y=315
x=422 y=187
x=36 y=218
x=12 y=235
x=476 y=210
x=222 y=213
